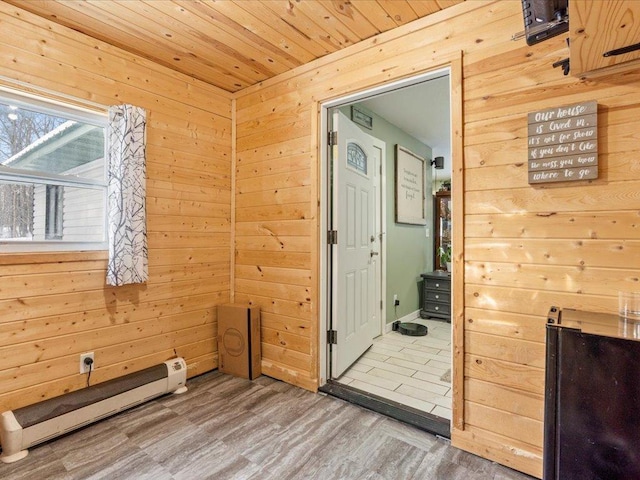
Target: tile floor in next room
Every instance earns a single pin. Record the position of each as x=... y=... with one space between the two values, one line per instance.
x=413 y=371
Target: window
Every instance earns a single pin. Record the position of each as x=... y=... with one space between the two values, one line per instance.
x=356 y=158
x=52 y=175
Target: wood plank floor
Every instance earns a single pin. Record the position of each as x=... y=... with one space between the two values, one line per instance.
x=408 y=370
x=227 y=428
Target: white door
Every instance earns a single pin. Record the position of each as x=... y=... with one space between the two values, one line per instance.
x=356 y=265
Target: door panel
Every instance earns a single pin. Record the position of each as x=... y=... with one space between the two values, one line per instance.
x=355 y=259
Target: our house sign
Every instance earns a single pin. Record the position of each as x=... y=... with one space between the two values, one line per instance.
x=563 y=143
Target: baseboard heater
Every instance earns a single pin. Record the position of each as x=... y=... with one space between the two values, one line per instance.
x=28 y=426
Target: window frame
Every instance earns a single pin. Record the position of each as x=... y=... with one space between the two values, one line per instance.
x=70 y=111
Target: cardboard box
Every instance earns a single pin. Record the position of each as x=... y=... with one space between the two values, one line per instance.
x=239 y=340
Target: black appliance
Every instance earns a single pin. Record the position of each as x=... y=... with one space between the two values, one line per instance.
x=544 y=19
x=592 y=397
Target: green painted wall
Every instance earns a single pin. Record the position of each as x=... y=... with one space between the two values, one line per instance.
x=409 y=252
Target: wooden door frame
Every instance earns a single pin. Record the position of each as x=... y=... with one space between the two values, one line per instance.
x=454 y=64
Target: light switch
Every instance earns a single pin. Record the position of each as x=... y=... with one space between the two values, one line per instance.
x=426 y=232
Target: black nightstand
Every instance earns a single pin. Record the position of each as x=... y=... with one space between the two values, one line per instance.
x=436 y=295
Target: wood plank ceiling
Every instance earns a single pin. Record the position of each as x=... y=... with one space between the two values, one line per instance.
x=232 y=43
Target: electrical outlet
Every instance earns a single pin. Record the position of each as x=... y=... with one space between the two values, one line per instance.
x=396 y=302
x=87 y=367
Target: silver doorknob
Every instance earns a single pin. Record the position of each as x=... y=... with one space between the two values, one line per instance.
x=373 y=253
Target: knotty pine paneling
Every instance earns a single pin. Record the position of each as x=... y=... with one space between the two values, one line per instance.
x=591 y=252
x=503 y=449
x=55 y=306
x=493 y=419
x=262 y=170
x=595 y=225
x=505 y=324
x=520 y=403
x=525 y=247
x=514 y=350
x=60 y=48
x=505 y=373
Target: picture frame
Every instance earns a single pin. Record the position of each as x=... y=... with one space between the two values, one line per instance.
x=410 y=185
x=361 y=118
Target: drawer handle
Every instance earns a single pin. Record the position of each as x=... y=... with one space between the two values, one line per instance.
x=437 y=284
x=437 y=297
x=437 y=308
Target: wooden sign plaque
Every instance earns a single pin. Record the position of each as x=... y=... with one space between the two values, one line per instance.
x=563 y=143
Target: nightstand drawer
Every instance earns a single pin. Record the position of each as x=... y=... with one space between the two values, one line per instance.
x=437 y=284
x=443 y=308
x=437 y=296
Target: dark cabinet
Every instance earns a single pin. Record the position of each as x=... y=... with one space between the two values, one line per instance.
x=592 y=397
x=442 y=226
x=436 y=295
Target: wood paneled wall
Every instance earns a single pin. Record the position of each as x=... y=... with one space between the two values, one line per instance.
x=55 y=306
x=525 y=247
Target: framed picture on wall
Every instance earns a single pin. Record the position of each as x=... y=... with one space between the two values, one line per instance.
x=410 y=181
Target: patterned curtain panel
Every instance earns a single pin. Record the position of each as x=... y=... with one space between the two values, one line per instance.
x=127 y=227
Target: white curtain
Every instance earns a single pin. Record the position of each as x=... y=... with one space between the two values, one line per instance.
x=127 y=229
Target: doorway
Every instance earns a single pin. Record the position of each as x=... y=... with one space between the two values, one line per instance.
x=394 y=243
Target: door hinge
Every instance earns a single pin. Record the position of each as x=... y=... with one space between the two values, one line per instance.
x=381 y=305
x=332 y=337
x=333 y=138
x=332 y=237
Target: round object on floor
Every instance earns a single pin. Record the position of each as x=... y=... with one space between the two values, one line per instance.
x=413 y=329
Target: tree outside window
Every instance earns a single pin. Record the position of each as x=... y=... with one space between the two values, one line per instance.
x=52 y=174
